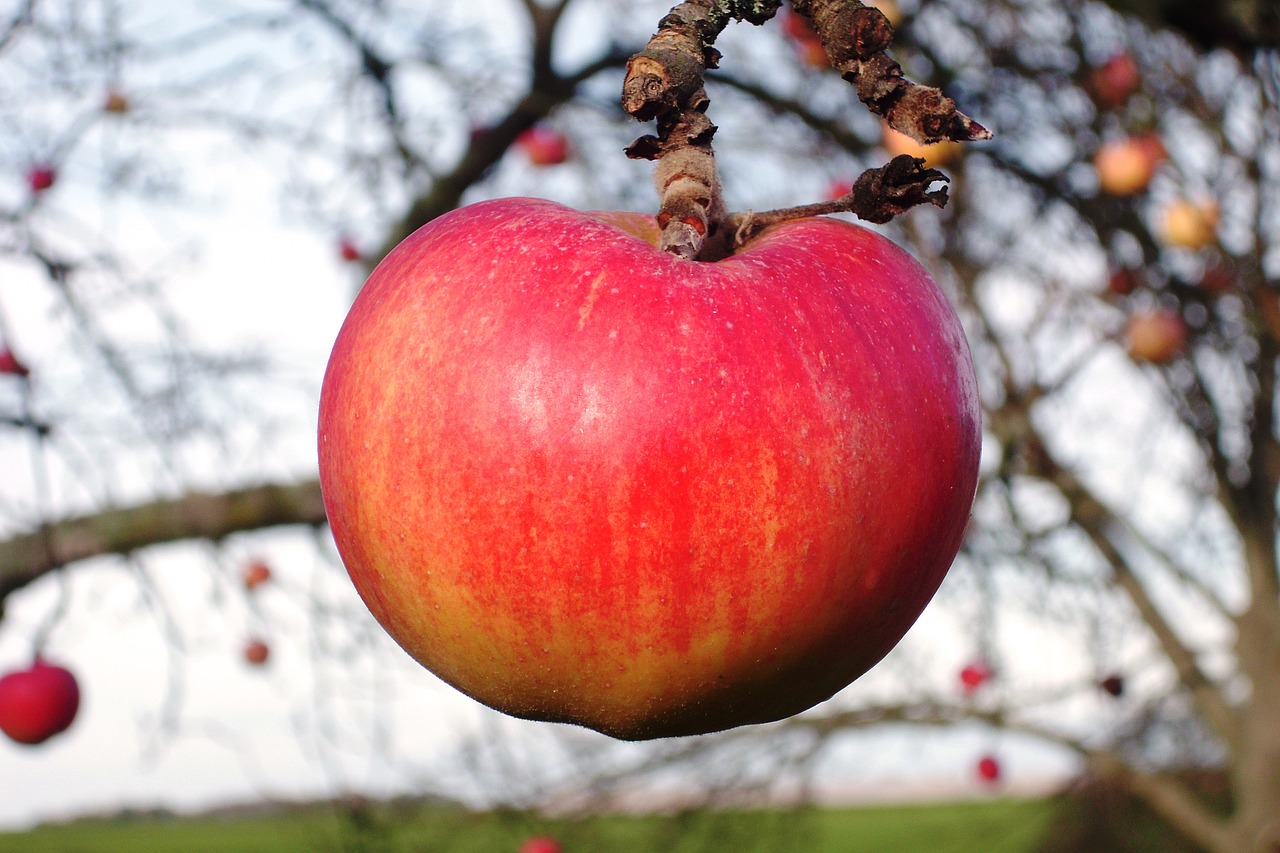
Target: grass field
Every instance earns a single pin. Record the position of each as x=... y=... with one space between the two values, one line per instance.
x=992 y=826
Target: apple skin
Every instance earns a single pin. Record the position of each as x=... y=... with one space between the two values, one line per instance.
x=38 y=703
x=585 y=481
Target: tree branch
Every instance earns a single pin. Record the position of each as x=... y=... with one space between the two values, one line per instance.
x=196 y=515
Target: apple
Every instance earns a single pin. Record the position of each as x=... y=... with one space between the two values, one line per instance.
x=1122 y=282
x=10 y=365
x=1126 y=166
x=38 y=703
x=540 y=844
x=41 y=177
x=583 y=480
x=974 y=675
x=935 y=155
x=1112 y=685
x=1189 y=224
x=543 y=145
x=1115 y=80
x=255 y=574
x=348 y=250
x=116 y=102
x=1156 y=335
x=988 y=769
x=256 y=652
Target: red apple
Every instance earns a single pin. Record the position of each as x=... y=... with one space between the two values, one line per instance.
x=1189 y=224
x=988 y=769
x=38 y=703
x=540 y=844
x=974 y=675
x=256 y=652
x=1157 y=336
x=1112 y=685
x=348 y=250
x=796 y=27
x=1115 y=80
x=1126 y=166
x=543 y=146
x=583 y=480
x=10 y=365
x=255 y=574
x=41 y=177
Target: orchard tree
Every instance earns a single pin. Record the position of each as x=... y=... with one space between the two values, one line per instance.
x=1114 y=253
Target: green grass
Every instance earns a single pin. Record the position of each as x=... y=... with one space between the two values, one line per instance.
x=993 y=826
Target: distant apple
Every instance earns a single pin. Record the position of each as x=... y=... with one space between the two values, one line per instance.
x=11 y=365
x=1126 y=166
x=116 y=102
x=586 y=481
x=1115 y=80
x=1112 y=685
x=544 y=146
x=41 y=177
x=540 y=844
x=256 y=652
x=988 y=769
x=974 y=675
x=1189 y=224
x=935 y=155
x=348 y=250
x=38 y=703
x=1155 y=335
x=255 y=574
x=1122 y=281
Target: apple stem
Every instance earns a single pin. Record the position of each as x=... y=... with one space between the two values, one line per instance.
x=665 y=81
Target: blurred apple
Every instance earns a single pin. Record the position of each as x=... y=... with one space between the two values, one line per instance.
x=41 y=177
x=348 y=250
x=256 y=652
x=116 y=102
x=38 y=703
x=1126 y=166
x=988 y=769
x=1122 y=282
x=935 y=155
x=540 y=844
x=1115 y=80
x=1112 y=685
x=974 y=675
x=10 y=365
x=255 y=574
x=544 y=146
x=1155 y=335
x=1189 y=224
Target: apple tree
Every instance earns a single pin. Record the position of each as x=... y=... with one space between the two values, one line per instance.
x=1113 y=251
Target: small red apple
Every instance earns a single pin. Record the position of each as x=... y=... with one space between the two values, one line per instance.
x=974 y=675
x=839 y=188
x=348 y=250
x=1112 y=685
x=796 y=27
x=38 y=703
x=583 y=480
x=1122 y=282
x=41 y=177
x=1115 y=80
x=1189 y=224
x=255 y=574
x=256 y=652
x=544 y=146
x=1126 y=166
x=1157 y=336
x=540 y=844
x=988 y=769
x=116 y=102
x=10 y=364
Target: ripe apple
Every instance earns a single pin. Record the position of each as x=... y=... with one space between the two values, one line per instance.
x=41 y=177
x=544 y=146
x=348 y=250
x=988 y=769
x=38 y=703
x=1157 y=336
x=1122 y=282
x=1126 y=166
x=974 y=675
x=1112 y=685
x=935 y=155
x=256 y=651
x=540 y=844
x=1189 y=224
x=10 y=365
x=583 y=480
x=255 y=574
x=1115 y=80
